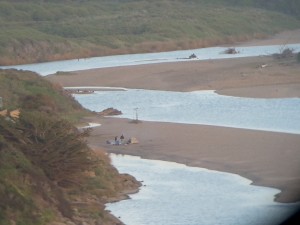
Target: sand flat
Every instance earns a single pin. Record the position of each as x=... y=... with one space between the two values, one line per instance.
x=222 y=75
x=268 y=158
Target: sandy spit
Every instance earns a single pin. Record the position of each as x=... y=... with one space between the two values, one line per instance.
x=267 y=158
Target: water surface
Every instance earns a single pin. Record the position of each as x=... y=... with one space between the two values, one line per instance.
x=148 y=58
x=175 y=194
x=200 y=107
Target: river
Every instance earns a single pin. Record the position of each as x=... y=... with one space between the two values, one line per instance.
x=178 y=194
x=147 y=58
x=174 y=194
x=200 y=107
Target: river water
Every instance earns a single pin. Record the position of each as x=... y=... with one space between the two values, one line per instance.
x=177 y=194
x=174 y=194
x=147 y=58
x=200 y=107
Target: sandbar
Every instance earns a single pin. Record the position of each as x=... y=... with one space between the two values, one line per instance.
x=269 y=159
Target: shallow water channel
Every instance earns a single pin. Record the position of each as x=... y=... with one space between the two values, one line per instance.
x=47 y=68
x=175 y=194
x=200 y=107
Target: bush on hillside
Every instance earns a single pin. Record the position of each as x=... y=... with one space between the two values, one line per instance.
x=55 y=145
x=22 y=182
x=40 y=102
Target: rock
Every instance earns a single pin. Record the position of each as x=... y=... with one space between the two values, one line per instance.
x=192 y=56
x=110 y=112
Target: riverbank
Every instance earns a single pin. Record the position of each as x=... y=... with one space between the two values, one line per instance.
x=267 y=158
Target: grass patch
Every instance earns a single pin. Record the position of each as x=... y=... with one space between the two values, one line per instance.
x=30 y=91
x=71 y=29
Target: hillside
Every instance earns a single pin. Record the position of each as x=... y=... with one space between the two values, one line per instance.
x=48 y=174
x=30 y=91
x=44 y=30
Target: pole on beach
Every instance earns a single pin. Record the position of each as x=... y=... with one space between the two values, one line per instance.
x=136 y=114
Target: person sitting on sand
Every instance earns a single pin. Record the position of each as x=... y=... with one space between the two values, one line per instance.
x=122 y=138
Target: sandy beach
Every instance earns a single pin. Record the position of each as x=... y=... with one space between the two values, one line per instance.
x=227 y=76
x=267 y=158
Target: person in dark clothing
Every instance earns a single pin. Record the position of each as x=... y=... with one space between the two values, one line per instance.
x=122 y=138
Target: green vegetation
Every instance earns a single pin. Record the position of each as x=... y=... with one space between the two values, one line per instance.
x=30 y=91
x=41 y=30
x=47 y=171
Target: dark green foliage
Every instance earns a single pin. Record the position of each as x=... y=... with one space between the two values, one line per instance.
x=45 y=161
x=54 y=145
x=48 y=141
x=16 y=173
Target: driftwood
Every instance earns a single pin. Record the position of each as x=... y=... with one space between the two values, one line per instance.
x=231 y=51
x=286 y=53
x=192 y=56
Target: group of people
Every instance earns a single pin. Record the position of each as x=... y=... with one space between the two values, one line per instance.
x=119 y=141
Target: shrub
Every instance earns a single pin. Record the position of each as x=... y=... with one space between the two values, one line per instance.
x=39 y=102
x=284 y=54
x=56 y=146
x=52 y=144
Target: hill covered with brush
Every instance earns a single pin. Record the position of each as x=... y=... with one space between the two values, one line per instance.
x=44 y=30
x=48 y=173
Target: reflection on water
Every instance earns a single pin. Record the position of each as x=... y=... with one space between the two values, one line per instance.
x=177 y=194
x=201 y=107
